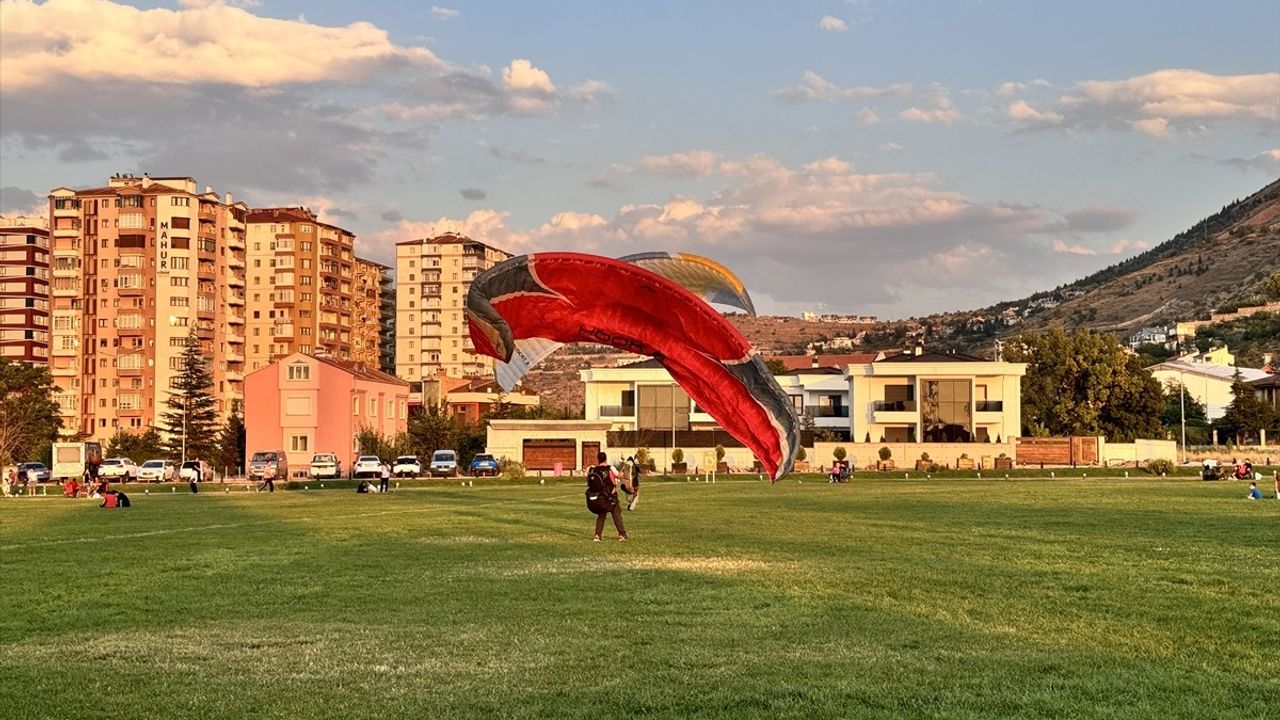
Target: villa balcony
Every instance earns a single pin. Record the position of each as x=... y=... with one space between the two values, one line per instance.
x=988 y=411
x=894 y=411
x=823 y=411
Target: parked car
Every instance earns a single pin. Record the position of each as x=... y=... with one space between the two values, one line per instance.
x=484 y=464
x=273 y=458
x=325 y=465
x=444 y=463
x=407 y=466
x=367 y=466
x=119 y=468
x=42 y=472
x=157 y=471
x=197 y=470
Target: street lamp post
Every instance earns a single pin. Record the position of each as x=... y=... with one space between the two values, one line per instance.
x=1182 y=408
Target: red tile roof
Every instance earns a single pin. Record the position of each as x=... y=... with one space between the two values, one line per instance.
x=361 y=370
x=801 y=362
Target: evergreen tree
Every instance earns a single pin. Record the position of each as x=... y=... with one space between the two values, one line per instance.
x=192 y=412
x=28 y=415
x=231 y=442
x=137 y=447
x=1246 y=415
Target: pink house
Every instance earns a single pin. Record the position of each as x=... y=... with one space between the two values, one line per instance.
x=304 y=404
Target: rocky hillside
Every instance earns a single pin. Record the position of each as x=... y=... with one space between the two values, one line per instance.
x=1221 y=262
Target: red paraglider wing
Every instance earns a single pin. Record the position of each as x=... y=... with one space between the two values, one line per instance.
x=568 y=297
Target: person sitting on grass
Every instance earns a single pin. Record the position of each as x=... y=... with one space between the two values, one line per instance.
x=1254 y=492
x=71 y=488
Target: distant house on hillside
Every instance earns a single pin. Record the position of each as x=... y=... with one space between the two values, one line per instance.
x=1151 y=336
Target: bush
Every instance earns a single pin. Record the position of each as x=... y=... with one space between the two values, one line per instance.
x=885 y=453
x=642 y=457
x=924 y=456
x=719 y=453
x=510 y=469
x=839 y=453
x=801 y=455
x=677 y=456
x=1160 y=466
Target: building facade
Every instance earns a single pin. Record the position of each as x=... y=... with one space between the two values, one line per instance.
x=304 y=405
x=432 y=278
x=1207 y=382
x=935 y=398
x=387 y=306
x=303 y=288
x=140 y=267
x=366 y=318
x=24 y=289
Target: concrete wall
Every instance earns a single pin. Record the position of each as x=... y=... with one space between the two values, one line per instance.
x=1138 y=452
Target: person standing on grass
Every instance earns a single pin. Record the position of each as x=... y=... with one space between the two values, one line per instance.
x=601 y=478
x=386 y=478
x=268 y=478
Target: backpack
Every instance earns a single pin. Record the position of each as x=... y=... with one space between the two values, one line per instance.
x=600 y=494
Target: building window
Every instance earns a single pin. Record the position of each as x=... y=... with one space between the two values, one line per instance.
x=355 y=406
x=300 y=371
x=373 y=407
x=180 y=201
x=298 y=443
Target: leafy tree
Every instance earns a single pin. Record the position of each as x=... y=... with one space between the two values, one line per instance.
x=192 y=414
x=139 y=447
x=1174 y=406
x=776 y=366
x=28 y=415
x=231 y=441
x=1085 y=383
x=1247 y=414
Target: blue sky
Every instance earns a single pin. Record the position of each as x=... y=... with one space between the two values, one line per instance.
x=892 y=158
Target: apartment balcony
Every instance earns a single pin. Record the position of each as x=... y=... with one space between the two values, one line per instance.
x=236 y=241
x=234 y=357
x=235 y=375
x=207 y=271
x=235 y=280
x=235 y=338
x=283 y=302
x=282 y=330
x=628 y=411
x=235 y=263
x=235 y=300
x=894 y=411
x=234 y=319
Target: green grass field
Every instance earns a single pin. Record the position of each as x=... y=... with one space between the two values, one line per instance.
x=883 y=598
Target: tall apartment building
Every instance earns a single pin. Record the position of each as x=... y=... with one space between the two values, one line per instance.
x=138 y=266
x=303 y=286
x=432 y=278
x=24 y=289
x=367 y=315
x=387 y=297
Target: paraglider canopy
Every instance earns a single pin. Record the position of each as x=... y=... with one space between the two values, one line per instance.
x=522 y=309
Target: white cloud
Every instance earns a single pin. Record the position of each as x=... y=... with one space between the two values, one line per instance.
x=692 y=164
x=444 y=13
x=522 y=76
x=890 y=147
x=815 y=87
x=1008 y=89
x=867 y=116
x=1267 y=161
x=590 y=92
x=1022 y=111
x=1167 y=103
x=1123 y=245
x=1155 y=127
x=833 y=24
x=211 y=42
x=784 y=228
x=1061 y=246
